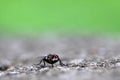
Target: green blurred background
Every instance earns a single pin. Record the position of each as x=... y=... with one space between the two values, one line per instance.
x=31 y=17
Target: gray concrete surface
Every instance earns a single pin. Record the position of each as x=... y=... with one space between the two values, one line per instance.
x=87 y=58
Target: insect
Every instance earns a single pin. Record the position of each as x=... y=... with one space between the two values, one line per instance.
x=51 y=59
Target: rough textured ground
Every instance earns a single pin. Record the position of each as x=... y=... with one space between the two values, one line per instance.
x=86 y=58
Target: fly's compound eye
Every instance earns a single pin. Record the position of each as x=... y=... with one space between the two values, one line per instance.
x=55 y=58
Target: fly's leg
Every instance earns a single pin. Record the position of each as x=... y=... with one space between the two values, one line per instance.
x=60 y=62
x=39 y=64
x=44 y=64
x=52 y=65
